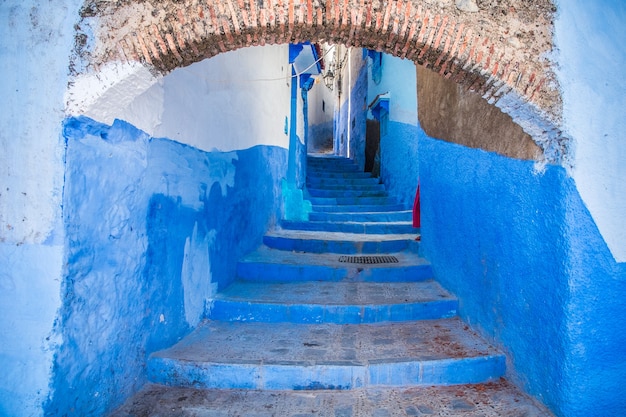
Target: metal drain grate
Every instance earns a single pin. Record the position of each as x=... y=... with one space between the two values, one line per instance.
x=385 y=259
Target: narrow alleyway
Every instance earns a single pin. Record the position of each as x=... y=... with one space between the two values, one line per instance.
x=335 y=316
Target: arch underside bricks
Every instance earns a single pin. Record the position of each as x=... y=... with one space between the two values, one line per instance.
x=498 y=53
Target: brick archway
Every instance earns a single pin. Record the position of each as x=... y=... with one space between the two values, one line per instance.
x=497 y=52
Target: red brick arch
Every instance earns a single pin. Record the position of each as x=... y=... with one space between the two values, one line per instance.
x=469 y=48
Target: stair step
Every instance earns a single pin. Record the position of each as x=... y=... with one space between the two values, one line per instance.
x=339 y=161
x=351 y=201
x=328 y=159
x=335 y=242
x=339 y=175
x=316 y=192
x=340 y=182
x=352 y=227
x=313 y=170
x=271 y=265
x=360 y=208
x=349 y=187
x=492 y=399
x=287 y=356
x=341 y=302
x=387 y=216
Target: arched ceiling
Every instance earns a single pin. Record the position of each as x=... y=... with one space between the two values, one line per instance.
x=497 y=48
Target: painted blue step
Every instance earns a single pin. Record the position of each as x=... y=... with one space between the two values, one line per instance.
x=273 y=265
x=352 y=227
x=348 y=201
x=337 y=160
x=360 y=208
x=340 y=182
x=287 y=356
x=316 y=192
x=342 y=302
x=341 y=186
x=386 y=216
x=325 y=158
x=346 y=243
x=314 y=170
x=339 y=175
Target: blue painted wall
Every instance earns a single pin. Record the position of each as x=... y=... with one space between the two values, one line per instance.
x=150 y=224
x=358 y=97
x=398 y=151
x=595 y=366
x=399 y=161
x=531 y=272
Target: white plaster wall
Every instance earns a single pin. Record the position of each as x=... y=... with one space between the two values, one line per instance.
x=349 y=70
x=591 y=58
x=317 y=94
x=35 y=42
x=398 y=79
x=103 y=95
x=36 y=39
x=232 y=101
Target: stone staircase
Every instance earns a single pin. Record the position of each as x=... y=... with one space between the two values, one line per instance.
x=342 y=303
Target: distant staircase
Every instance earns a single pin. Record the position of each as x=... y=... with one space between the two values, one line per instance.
x=340 y=302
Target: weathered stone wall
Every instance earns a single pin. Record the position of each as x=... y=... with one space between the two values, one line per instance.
x=496 y=48
x=447 y=111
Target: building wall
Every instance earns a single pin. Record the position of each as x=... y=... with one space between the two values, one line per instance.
x=399 y=147
x=531 y=271
x=154 y=228
x=235 y=100
x=35 y=46
x=590 y=55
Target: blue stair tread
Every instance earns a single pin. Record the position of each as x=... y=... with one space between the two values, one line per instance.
x=330 y=161
x=313 y=169
x=341 y=182
x=237 y=342
x=348 y=201
x=332 y=302
x=349 y=208
x=274 y=265
x=269 y=255
x=340 y=236
x=336 y=293
x=340 y=186
x=346 y=193
x=339 y=242
x=302 y=356
x=390 y=227
x=320 y=174
x=365 y=216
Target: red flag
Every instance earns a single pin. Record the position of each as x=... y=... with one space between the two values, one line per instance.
x=416 y=208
